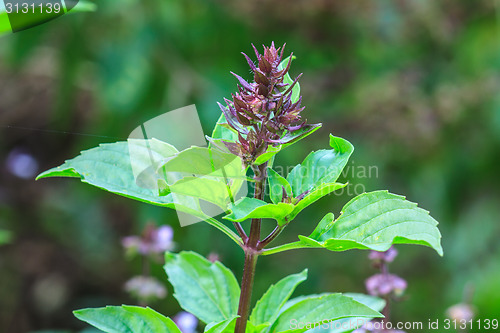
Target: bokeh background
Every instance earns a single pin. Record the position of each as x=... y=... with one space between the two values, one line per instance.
x=413 y=84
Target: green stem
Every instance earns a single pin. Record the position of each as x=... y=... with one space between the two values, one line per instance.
x=285 y=247
x=222 y=227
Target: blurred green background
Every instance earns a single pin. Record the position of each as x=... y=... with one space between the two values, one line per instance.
x=413 y=84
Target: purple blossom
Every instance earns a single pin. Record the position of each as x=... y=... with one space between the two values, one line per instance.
x=262 y=112
x=186 y=322
x=21 y=164
x=385 y=284
x=163 y=238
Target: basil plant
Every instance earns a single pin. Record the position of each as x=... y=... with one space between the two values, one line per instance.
x=263 y=117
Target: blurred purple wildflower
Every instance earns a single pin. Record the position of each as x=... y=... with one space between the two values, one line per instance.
x=145 y=288
x=153 y=241
x=385 y=284
x=186 y=322
x=21 y=164
x=460 y=312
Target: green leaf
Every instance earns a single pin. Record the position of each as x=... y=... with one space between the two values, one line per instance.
x=207 y=290
x=375 y=303
x=225 y=326
x=316 y=194
x=4 y=20
x=201 y=161
x=270 y=152
x=127 y=319
x=346 y=324
x=210 y=190
x=316 y=176
x=267 y=308
x=323 y=225
x=208 y=174
x=374 y=221
x=81 y=6
x=319 y=309
x=320 y=167
x=276 y=184
x=249 y=208
x=110 y=167
x=287 y=79
x=251 y=328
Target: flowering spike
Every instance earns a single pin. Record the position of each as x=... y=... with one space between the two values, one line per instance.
x=262 y=112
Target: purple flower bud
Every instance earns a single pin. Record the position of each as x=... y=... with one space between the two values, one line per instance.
x=265 y=66
x=261 y=78
x=385 y=284
x=262 y=111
